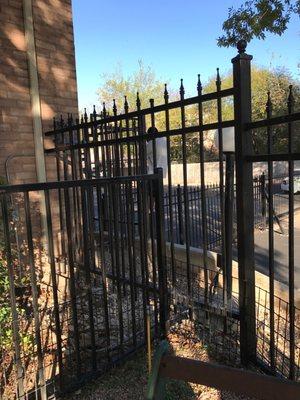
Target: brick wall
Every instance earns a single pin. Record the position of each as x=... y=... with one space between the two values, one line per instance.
x=54 y=42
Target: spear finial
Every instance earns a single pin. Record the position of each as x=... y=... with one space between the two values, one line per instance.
x=138 y=101
x=181 y=90
x=218 y=79
x=269 y=105
x=291 y=99
x=166 y=94
x=126 y=108
x=114 y=107
x=199 y=85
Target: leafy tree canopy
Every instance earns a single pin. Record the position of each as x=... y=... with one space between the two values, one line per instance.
x=255 y=18
x=263 y=80
x=143 y=80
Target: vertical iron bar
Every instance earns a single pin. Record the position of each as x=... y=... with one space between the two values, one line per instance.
x=116 y=147
x=116 y=215
x=153 y=130
x=153 y=255
x=291 y=240
x=87 y=152
x=229 y=193
x=161 y=252
x=54 y=288
x=142 y=154
x=143 y=250
x=72 y=280
x=129 y=172
x=60 y=200
x=95 y=147
x=221 y=189
x=271 y=236
x=170 y=194
x=263 y=199
x=130 y=248
x=180 y=219
x=35 y=305
x=88 y=260
x=13 y=302
x=185 y=197
x=101 y=224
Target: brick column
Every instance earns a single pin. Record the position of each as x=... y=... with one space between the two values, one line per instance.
x=55 y=60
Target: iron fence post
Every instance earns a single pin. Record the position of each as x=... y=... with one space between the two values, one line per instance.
x=161 y=252
x=229 y=200
x=245 y=202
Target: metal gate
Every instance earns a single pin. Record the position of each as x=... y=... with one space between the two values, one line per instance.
x=76 y=299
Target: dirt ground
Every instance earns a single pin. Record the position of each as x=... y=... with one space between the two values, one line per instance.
x=129 y=381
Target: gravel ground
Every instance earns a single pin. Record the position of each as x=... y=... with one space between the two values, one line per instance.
x=129 y=381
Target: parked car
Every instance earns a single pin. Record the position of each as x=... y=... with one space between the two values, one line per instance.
x=285 y=187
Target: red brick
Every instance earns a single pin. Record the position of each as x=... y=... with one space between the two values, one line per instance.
x=57 y=77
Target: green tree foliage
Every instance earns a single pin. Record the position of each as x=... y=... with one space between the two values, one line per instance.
x=264 y=80
x=143 y=80
x=255 y=18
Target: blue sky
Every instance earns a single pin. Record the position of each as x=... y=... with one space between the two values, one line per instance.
x=177 y=38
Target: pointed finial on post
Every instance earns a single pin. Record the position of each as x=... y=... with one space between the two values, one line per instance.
x=85 y=116
x=94 y=112
x=181 y=90
x=166 y=94
x=104 y=110
x=151 y=103
x=218 y=79
x=138 y=101
x=291 y=99
x=199 y=86
x=241 y=46
x=126 y=107
x=114 y=107
x=269 y=105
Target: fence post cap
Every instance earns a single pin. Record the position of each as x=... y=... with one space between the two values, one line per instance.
x=242 y=55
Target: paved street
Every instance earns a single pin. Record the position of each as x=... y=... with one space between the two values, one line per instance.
x=280 y=252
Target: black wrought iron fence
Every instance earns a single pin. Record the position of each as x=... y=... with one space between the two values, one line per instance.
x=68 y=316
x=106 y=142
x=213 y=210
